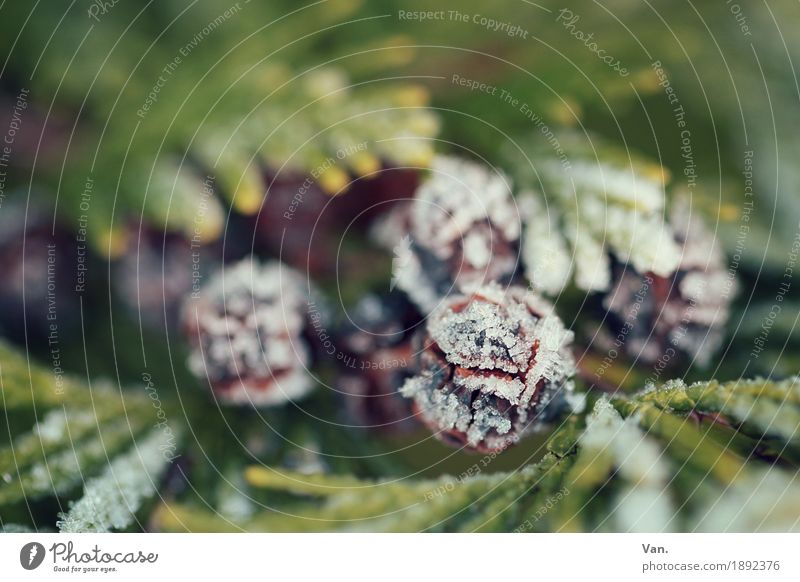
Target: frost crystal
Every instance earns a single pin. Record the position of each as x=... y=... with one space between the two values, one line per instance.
x=111 y=500
x=491 y=363
x=464 y=228
x=643 y=503
x=53 y=428
x=602 y=209
x=544 y=249
x=245 y=329
x=758 y=503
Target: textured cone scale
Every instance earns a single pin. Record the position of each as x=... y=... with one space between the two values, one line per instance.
x=685 y=313
x=246 y=330
x=490 y=366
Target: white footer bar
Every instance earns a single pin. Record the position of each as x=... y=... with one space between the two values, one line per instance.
x=400 y=557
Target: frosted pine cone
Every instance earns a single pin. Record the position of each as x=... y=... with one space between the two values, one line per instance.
x=684 y=313
x=463 y=230
x=246 y=332
x=490 y=367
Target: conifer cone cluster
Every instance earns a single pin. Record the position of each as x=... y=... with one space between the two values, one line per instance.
x=599 y=221
x=493 y=355
x=467 y=349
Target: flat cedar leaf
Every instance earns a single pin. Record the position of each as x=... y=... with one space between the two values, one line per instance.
x=640 y=463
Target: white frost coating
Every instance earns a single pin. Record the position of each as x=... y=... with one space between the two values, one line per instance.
x=45 y=477
x=576 y=401
x=508 y=388
x=550 y=362
x=692 y=314
x=458 y=195
x=111 y=500
x=447 y=409
x=464 y=226
x=757 y=502
x=485 y=336
x=644 y=504
x=592 y=263
x=644 y=509
x=477 y=249
x=389 y=229
x=701 y=250
x=53 y=427
x=619 y=185
x=403 y=256
x=489 y=336
x=249 y=320
x=637 y=458
x=486 y=419
x=548 y=264
x=235 y=506
x=673 y=384
x=411 y=278
x=706 y=291
x=603 y=210
x=506 y=356
x=644 y=241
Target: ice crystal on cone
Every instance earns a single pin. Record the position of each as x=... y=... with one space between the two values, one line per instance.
x=544 y=249
x=490 y=364
x=464 y=229
x=246 y=332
